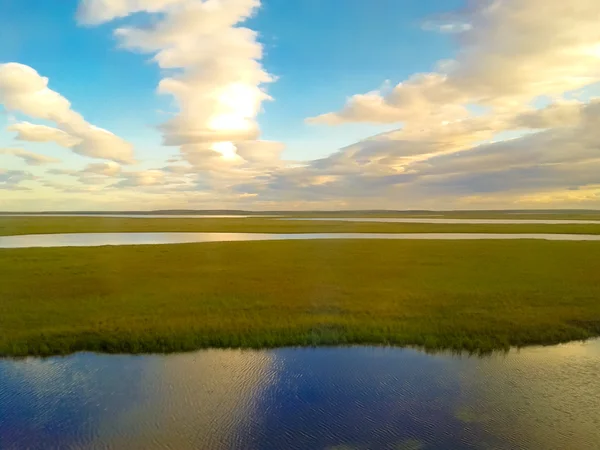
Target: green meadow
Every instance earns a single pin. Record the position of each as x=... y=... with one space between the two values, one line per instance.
x=49 y=225
x=477 y=296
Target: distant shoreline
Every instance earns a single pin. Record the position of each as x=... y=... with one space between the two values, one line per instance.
x=234 y=212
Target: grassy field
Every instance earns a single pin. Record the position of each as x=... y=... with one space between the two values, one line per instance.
x=575 y=214
x=48 y=225
x=463 y=295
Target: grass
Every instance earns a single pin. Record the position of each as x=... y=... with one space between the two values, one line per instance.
x=464 y=295
x=563 y=214
x=49 y=225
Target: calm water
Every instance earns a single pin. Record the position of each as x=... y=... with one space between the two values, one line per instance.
x=99 y=239
x=338 y=398
x=416 y=219
x=453 y=221
x=143 y=216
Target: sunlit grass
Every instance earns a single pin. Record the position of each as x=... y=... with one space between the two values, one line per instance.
x=49 y=225
x=464 y=295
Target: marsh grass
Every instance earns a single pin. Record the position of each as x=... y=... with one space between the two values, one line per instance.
x=463 y=295
x=52 y=225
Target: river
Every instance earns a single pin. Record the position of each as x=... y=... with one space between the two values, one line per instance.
x=327 y=398
x=100 y=239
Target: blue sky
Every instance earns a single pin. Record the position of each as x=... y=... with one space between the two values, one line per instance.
x=323 y=55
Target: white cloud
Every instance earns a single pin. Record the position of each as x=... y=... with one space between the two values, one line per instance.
x=446 y=26
x=23 y=90
x=265 y=152
x=33 y=159
x=178 y=169
x=41 y=133
x=561 y=163
x=513 y=51
x=62 y=171
x=216 y=76
x=142 y=178
x=108 y=168
x=451 y=148
x=94 y=12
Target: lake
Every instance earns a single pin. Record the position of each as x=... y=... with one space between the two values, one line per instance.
x=430 y=218
x=327 y=398
x=145 y=216
x=100 y=239
x=450 y=221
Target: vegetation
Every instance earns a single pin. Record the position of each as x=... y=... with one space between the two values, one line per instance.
x=48 y=225
x=583 y=214
x=464 y=295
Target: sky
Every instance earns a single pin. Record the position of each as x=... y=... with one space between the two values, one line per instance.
x=299 y=104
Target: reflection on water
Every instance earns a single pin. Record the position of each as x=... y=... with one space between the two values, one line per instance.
x=145 y=216
x=351 y=398
x=424 y=219
x=99 y=239
x=418 y=218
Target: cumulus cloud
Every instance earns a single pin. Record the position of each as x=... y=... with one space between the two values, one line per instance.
x=33 y=159
x=494 y=127
x=216 y=77
x=559 y=163
x=513 y=55
x=512 y=52
x=23 y=90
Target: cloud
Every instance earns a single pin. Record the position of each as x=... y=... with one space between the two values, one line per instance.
x=142 y=178
x=264 y=152
x=23 y=90
x=95 y=12
x=12 y=179
x=41 y=133
x=559 y=163
x=215 y=77
x=494 y=127
x=513 y=52
x=447 y=25
x=108 y=169
x=513 y=55
x=177 y=169
x=556 y=115
x=61 y=171
x=33 y=159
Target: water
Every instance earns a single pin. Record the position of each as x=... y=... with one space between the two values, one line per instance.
x=454 y=221
x=144 y=216
x=100 y=239
x=330 y=398
x=415 y=219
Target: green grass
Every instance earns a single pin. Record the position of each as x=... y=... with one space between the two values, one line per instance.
x=49 y=225
x=463 y=295
x=558 y=214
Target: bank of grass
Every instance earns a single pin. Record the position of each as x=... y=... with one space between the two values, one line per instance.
x=463 y=295
x=52 y=225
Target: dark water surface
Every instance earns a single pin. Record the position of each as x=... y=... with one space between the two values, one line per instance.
x=330 y=398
